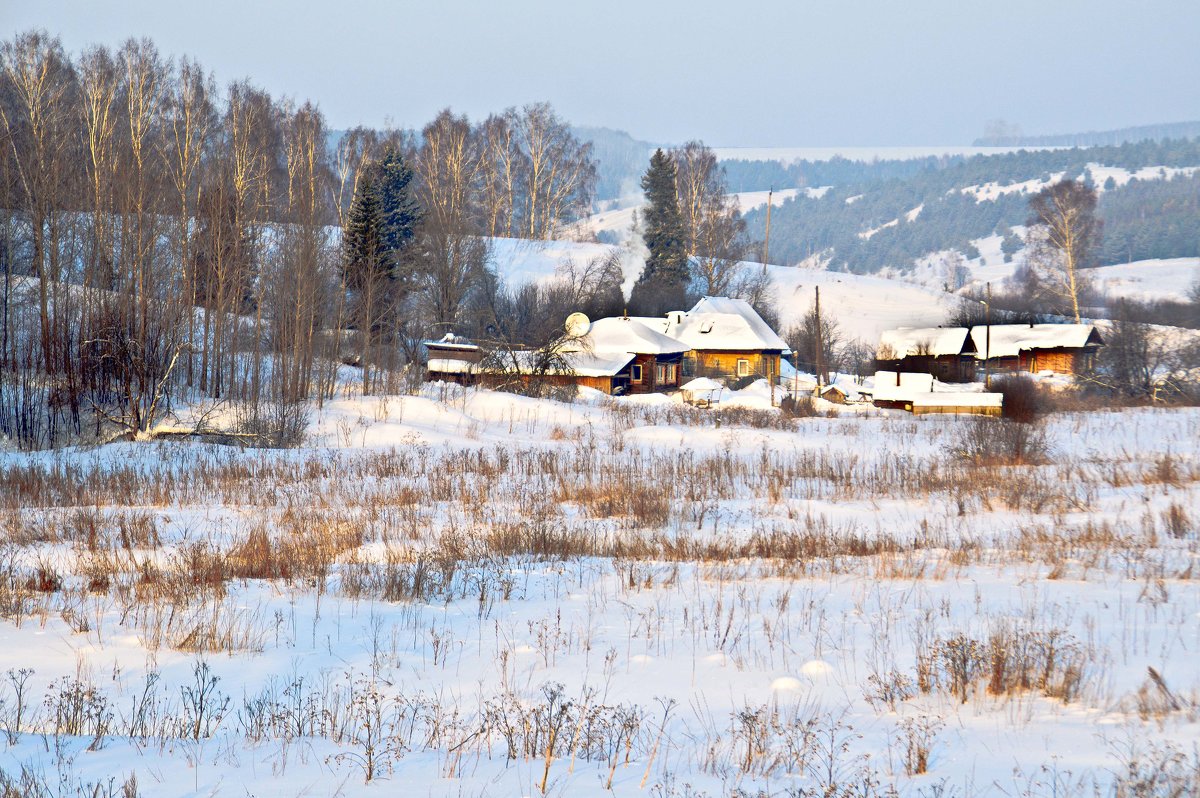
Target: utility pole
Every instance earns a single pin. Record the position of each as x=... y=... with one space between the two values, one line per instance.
x=767 y=237
x=819 y=355
x=987 y=347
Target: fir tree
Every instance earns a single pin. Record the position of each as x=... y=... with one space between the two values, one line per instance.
x=367 y=272
x=663 y=283
x=398 y=208
x=362 y=240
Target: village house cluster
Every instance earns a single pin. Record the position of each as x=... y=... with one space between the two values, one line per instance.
x=719 y=338
x=724 y=342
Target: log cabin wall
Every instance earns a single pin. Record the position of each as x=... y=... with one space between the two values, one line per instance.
x=641 y=374
x=709 y=363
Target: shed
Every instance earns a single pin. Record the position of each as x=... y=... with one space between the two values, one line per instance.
x=1060 y=348
x=948 y=353
x=898 y=389
x=958 y=403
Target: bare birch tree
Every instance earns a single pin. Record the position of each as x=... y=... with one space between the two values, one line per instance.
x=190 y=119
x=560 y=175
x=1066 y=211
x=41 y=130
x=455 y=256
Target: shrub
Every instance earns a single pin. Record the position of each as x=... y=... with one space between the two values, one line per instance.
x=273 y=424
x=991 y=441
x=798 y=407
x=1023 y=399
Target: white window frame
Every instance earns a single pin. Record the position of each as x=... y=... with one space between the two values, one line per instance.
x=743 y=367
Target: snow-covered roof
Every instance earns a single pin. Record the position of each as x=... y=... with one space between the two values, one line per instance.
x=596 y=364
x=702 y=384
x=903 y=387
x=936 y=341
x=723 y=323
x=582 y=364
x=657 y=323
x=627 y=335
x=1008 y=340
x=450 y=341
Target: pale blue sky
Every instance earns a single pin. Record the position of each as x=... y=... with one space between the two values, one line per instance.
x=835 y=72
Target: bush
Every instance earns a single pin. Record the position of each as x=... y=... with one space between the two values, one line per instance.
x=1023 y=399
x=272 y=424
x=798 y=407
x=992 y=441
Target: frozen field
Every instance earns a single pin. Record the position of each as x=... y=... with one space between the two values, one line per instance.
x=472 y=594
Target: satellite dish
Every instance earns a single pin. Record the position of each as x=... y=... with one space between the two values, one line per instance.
x=578 y=325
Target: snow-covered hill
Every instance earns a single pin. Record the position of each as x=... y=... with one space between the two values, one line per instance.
x=1170 y=279
x=863 y=305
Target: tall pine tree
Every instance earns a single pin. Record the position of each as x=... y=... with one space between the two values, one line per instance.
x=362 y=239
x=379 y=253
x=663 y=283
x=399 y=209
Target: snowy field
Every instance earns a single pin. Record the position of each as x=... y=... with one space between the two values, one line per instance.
x=478 y=594
x=1149 y=280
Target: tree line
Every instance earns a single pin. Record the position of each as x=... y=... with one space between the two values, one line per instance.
x=164 y=237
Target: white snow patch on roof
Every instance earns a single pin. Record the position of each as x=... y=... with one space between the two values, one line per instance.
x=723 y=323
x=628 y=335
x=935 y=341
x=889 y=386
x=1008 y=340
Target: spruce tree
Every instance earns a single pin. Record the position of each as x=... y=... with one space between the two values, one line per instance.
x=366 y=271
x=399 y=210
x=663 y=283
x=362 y=239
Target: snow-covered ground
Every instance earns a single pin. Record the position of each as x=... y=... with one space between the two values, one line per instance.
x=862 y=305
x=1170 y=278
x=1120 y=176
x=466 y=593
x=991 y=191
x=618 y=221
x=1100 y=175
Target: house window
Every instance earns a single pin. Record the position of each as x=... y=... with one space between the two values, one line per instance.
x=743 y=368
x=665 y=373
x=636 y=373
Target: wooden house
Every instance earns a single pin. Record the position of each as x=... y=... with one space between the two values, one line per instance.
x=652 y=360
x=947 y=353
x=615 y=356
x=452 y=359
x=725 y=338
x=1059 y=348
x=959 y=403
